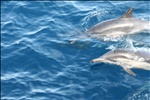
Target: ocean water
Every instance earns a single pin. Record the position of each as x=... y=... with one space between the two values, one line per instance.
x=40 y=62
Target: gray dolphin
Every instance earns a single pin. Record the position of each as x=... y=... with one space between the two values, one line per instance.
x=124 y=25
x=127 y=58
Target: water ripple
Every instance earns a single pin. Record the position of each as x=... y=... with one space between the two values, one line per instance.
x=46 y=55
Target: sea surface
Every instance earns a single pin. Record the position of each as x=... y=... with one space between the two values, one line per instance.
x=45 y=54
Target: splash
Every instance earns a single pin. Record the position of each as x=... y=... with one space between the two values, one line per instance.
x=142 y=93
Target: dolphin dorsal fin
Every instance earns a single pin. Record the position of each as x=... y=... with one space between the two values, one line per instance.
x=128 y=14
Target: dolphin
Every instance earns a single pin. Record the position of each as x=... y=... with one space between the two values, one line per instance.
x=127 y=59
x=124 y=25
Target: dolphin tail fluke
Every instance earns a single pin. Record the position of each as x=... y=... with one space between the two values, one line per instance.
x=129 y=71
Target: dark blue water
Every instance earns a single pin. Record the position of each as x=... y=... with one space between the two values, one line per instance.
x=39 y=62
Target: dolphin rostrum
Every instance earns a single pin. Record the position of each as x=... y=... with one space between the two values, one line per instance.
x=124 y=25
x=127 y=58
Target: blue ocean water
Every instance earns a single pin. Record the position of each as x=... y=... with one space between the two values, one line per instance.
x=39 y=62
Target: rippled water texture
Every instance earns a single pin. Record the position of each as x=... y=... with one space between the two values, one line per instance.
x=39 y=62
